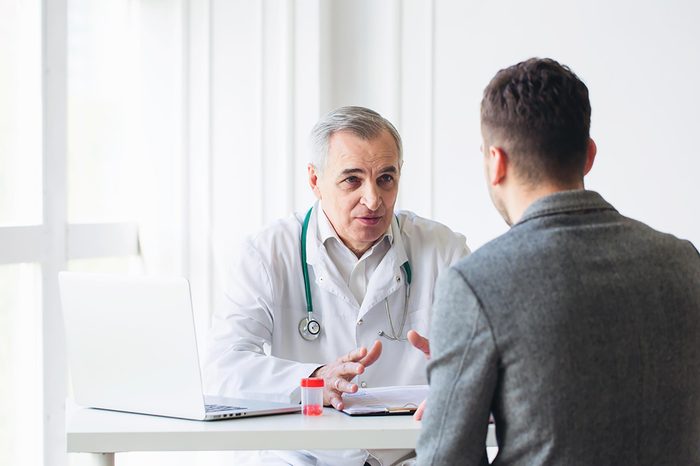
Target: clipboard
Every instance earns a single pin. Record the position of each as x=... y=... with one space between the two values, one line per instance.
x=385 y=401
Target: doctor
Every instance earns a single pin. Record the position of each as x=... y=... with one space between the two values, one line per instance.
x=333 y=292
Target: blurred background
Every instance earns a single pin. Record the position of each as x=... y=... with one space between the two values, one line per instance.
x=151 y=136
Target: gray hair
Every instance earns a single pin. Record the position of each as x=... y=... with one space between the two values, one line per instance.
x=360 y=121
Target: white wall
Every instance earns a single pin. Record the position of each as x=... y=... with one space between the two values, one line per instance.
x=640 y=62
x=424 y=65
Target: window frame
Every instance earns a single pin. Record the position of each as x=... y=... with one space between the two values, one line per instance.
x=54 y=242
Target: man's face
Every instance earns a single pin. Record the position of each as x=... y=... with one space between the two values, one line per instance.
x=358 y=187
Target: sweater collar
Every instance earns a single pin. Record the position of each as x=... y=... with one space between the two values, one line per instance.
x=565 y=202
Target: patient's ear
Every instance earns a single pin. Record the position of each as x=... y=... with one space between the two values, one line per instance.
x=590 y=156
x=497 y=165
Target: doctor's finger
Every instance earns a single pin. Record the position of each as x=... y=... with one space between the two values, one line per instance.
x=342 y=385
x=354 y=355
x=372 y=355
x=336 y=400
x=349 y=369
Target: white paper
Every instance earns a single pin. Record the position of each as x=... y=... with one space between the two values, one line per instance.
x=400 y=398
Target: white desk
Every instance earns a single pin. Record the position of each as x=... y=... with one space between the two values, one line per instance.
x=104 y=433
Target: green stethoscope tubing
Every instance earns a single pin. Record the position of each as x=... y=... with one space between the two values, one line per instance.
x=406 y=266
x=304 y=266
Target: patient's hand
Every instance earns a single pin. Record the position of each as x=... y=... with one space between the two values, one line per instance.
x=418 y=415
x=423 y=344
x=420 y=342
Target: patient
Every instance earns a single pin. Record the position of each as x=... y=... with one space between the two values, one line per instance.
x=578 y=328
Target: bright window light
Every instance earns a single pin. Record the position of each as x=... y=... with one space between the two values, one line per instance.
x=20 y=354
x=124 y=121
x=104 y=120
x=20 y=112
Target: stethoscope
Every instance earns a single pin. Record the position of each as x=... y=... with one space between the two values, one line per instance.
x=310 y=328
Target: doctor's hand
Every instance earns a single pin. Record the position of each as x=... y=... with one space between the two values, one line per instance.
x=338 y=374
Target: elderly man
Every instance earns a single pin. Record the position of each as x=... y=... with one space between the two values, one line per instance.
x=332 y=292
x=578 y=328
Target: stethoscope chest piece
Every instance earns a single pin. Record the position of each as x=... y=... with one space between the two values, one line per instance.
x=309 y=328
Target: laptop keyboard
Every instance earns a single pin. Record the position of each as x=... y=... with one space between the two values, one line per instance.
x=217 y=408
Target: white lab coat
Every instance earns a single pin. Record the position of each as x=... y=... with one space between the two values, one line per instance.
x=255 y=349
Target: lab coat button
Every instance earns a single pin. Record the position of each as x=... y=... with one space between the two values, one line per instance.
x=398 y=278
x=360 y=322
x=363 y=384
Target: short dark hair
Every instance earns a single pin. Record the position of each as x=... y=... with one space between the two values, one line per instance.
x=539 y=112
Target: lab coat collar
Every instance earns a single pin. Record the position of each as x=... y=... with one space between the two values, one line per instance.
x=387 y=278
x=325 y=273
x=397 y=243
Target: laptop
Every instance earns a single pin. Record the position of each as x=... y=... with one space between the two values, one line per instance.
x=132 y=347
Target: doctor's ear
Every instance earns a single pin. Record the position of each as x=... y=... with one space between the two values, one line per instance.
x=313 y=180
